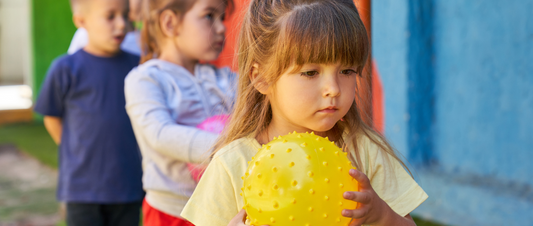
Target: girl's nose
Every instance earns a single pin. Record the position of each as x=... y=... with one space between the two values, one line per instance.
x=220 y=28
x=331 y=86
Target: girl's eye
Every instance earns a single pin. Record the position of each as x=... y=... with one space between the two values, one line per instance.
x=209 y=16
x=309 y=73
x=348 y=72
x=223 y=17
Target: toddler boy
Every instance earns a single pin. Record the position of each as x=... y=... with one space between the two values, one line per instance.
x=82 y=100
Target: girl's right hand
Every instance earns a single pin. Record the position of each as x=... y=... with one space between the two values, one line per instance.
x=239 y=219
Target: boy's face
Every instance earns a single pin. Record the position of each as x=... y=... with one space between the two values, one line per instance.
x=105 y=22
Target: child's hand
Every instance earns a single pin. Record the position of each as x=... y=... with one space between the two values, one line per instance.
x=371 y=209
x=239 y=219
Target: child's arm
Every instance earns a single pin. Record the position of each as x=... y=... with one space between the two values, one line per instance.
x=146 y=105
x=371 y=208
x=54 y=127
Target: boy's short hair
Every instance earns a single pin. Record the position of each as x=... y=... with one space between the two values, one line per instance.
x=77 y=5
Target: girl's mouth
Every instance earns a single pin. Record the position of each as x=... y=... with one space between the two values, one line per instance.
x=330 y=109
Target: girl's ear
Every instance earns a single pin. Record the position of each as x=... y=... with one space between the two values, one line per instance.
x=261 y=85
x=169 y=22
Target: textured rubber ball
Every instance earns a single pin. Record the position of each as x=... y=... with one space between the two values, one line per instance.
x=301 y=180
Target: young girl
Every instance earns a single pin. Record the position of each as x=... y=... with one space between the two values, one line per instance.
x=299 y=62
x=170 y=93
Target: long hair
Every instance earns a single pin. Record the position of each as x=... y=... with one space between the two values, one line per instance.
x=277 y=34
x=151 y=33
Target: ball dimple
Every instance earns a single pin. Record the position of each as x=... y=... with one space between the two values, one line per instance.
x=308 y=157
x=294 y=183
x=326 y=180
x=325 y=215
x=310 y=209
x=260 y=193
x=326 y=198
x=271 y=156
x=274 y=169
x=293 y=201
x=303 y=145
x=272 y=220
x=276 y=204
x=325 y=163
x=311 y=191
x=256 y=163
x=310 y=174
x=321 y=149
x=275 y=187
x=341 y=185
x=291 y=164
x=291 y=218
x=289 y=150
x=259 y=175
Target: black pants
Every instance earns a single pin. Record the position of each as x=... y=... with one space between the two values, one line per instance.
x=89 y=214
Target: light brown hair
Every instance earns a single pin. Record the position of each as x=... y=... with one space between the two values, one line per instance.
x=151 y=33
x=277 y=34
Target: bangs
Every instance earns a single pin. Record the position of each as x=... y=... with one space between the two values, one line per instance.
x=322 y=33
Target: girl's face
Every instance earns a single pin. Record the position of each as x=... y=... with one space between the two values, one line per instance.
x=202 y=32
x=312 y=99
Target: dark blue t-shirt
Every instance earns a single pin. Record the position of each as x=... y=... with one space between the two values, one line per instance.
x=99 y=160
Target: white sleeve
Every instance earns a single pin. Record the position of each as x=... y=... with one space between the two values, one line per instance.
x=80 y=40
x=145 y=105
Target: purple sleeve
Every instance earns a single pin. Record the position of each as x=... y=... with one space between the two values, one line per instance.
x=51 y=100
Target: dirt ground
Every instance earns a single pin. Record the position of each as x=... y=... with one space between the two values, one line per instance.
x=27 y=190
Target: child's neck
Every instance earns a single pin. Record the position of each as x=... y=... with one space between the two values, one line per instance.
x=93 y=50
x=176 y=57
x=275 y=130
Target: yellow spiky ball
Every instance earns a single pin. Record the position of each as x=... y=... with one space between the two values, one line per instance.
x=298 y=179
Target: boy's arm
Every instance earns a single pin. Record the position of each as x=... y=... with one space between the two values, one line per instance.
x=54 y=127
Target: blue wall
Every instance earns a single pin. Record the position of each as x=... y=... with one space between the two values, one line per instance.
x=458 y=83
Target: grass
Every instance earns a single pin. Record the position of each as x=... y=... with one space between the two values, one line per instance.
x=33 y=139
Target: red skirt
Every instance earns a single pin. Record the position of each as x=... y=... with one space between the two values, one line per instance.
x=154 y=217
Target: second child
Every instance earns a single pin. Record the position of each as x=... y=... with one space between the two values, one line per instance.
x=170 y=93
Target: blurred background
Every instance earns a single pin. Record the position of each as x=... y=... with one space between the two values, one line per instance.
x=452 y=88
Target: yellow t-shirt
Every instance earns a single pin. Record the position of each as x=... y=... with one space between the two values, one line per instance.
x=216 y=199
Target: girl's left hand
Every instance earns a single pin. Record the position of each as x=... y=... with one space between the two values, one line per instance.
x=371 y=209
